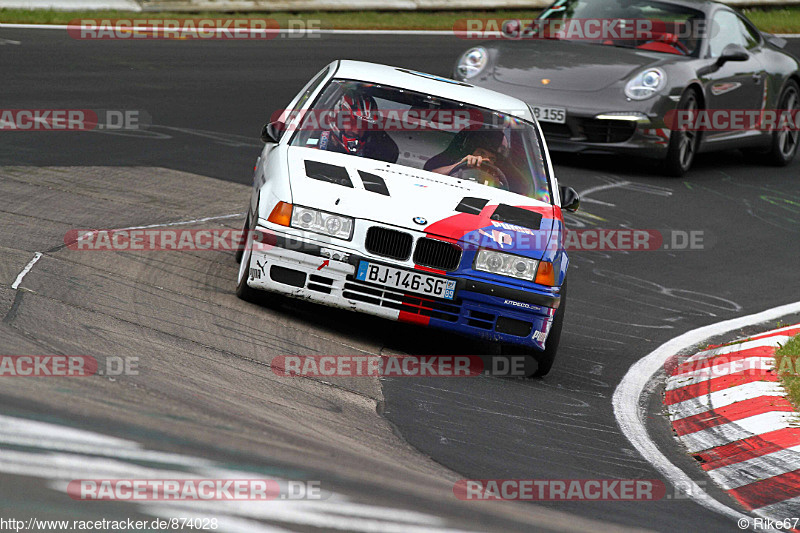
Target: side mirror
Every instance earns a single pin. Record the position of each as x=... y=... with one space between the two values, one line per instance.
x=570 y=200
x=271 y=133
x=733 y=52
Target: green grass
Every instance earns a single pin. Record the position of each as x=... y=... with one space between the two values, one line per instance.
x=780 y=20
x=787 y=359
x=776 y=20
x=416 y=20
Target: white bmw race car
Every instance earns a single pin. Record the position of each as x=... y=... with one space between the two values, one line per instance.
x=415 y=198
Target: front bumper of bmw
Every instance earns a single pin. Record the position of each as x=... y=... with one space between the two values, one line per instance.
x=324 y=273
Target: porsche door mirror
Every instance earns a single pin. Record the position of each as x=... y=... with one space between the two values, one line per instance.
x=271 y=133
x=733 y=52
x=570 y=199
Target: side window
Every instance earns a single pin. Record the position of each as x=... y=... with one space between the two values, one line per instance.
x=726 y=29
x=751 y=36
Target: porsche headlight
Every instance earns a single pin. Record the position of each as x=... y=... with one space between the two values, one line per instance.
x=472 y=62
x=646 y=84
x=511 y=265
x=321 y=222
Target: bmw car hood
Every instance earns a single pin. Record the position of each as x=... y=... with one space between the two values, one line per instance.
x=402 y=196
x=569 y=66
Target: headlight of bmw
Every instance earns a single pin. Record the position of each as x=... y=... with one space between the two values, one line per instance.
x=504 y=264
x=646 y=84
x=330 y=224
x=472 y=62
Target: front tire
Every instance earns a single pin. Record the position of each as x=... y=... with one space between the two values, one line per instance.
x=245 y=231
x=243 y=290
x=545 y=359
x=683 y=145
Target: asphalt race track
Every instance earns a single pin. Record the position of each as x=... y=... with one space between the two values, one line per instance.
x=205 y=400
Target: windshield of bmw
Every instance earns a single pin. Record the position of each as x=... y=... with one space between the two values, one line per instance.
x=642 y=24
x=426 y=132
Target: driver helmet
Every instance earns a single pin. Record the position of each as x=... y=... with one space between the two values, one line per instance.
x=356 y=113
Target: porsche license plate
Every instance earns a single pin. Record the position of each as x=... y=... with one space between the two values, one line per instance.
x=406 y=280
x=550 y=114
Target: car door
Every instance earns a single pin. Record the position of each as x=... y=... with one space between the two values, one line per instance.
x=735 y=85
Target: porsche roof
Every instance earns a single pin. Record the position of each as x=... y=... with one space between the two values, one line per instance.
x=693 y=3
x=702 y=5
x=433 y=85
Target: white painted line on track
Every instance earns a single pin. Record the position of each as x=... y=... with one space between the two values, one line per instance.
x=38 y=255
x=97 y=456
x=181 y=223
x=585 y=193
x=630 y=413
x=25 y=270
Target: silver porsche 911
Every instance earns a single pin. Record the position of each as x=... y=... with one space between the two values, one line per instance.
x=620 y=76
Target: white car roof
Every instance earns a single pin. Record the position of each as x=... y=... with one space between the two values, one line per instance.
x=433 y=85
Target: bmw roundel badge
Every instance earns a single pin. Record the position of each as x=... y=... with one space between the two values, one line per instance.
x=419 y=220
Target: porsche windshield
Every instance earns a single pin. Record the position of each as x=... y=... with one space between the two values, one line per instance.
x=428 y=133
x=642 y=24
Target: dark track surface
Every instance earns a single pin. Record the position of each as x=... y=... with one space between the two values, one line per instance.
x=208 y=101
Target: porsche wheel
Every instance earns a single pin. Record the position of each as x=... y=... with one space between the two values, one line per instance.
x=683 y=145
x=785 y=140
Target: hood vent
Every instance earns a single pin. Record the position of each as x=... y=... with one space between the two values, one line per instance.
x=374 y=183
x=473 y=206
x=330 y=173
x=517 y=216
